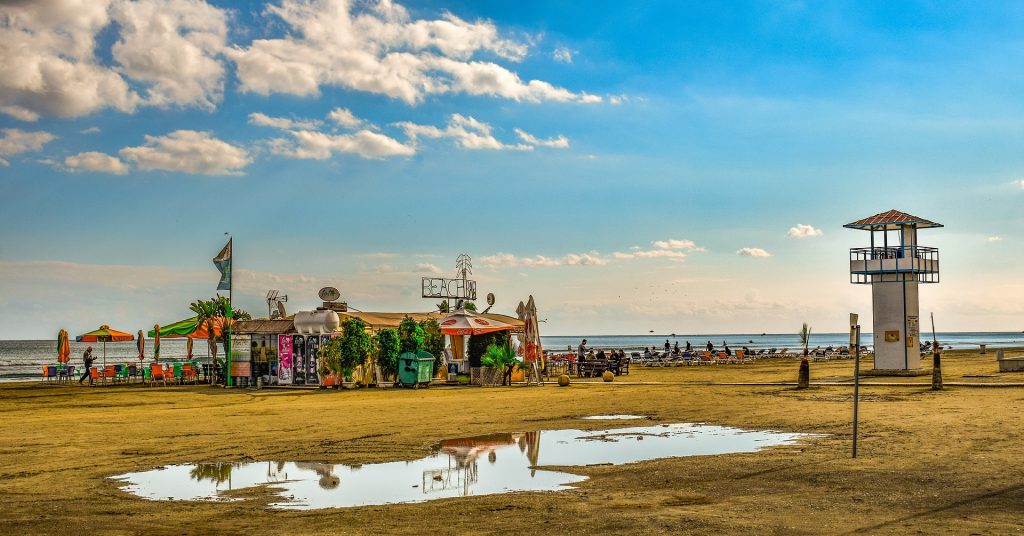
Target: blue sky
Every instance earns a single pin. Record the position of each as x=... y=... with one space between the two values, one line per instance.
x=634 y=166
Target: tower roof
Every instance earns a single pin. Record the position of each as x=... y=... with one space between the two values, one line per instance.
x=891 y=220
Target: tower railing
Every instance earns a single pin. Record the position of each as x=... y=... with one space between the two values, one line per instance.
x=919 y=261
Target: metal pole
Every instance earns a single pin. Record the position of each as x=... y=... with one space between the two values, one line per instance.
x=856 y=387
x=231 y=309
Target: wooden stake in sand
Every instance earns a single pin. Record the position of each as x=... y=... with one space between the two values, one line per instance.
x=855 y=343
x=936 y=360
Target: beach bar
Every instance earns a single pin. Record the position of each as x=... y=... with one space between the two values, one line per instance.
x=894 y=265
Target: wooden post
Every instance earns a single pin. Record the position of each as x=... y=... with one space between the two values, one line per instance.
x=936 y=360
x=856 y=385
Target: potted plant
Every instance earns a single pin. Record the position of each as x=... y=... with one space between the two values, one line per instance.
x=497 y=363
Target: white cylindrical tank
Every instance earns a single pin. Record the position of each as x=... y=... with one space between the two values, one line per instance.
x=318 y=322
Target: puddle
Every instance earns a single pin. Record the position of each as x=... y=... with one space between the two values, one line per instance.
x=613 y=417
x=484 y=465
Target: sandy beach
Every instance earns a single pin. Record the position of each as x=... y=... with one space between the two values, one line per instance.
x=931 y=462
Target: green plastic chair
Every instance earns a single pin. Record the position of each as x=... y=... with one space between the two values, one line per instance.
x=145 y=374
x=179 y=375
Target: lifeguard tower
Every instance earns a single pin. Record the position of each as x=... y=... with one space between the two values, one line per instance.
x=894 y=265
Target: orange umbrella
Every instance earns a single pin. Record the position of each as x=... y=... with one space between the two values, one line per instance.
x=141 y=343
x=104 y=335
x=465 y=323
x=63 y=347
x=156 y=343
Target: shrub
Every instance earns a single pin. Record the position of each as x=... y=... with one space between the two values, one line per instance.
x=410 y=336
x=388 y=346
x=433 y=341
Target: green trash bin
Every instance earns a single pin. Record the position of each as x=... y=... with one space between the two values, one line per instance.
x=415 y=369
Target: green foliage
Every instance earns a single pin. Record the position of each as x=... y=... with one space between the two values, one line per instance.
x=433 y=341
x=502 y=358
x=387 y=352
x=469 y=306
x=805 y=337
x=478 y=345
x=216 y=306
x=342 y=354
x=410 y=336
x=443 y=306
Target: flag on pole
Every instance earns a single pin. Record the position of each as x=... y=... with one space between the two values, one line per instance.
x=223 y=263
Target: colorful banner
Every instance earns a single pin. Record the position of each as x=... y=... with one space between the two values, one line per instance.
x=284 y=352
x=223 y=263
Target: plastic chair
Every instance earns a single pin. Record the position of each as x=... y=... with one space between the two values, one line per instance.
x=94 y=376
x=110 y=372
x=156 y=374
x=49 y=372
x=177 y=373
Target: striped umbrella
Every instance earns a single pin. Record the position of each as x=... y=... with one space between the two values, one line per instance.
x=188 y=347
x=156 y=342
x=63 y=347
x=105 y=334
x=141 y=343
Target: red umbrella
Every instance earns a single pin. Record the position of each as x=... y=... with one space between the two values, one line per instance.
x=465 y=323
x=104 y=335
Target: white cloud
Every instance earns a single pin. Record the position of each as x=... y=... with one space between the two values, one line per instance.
x=562 y=54
x=468 y=133
x=802 y=230
x=561 y=142
x=174 y=48
x=188 y=151
x=1021 y=184
x=994 y=239
x=376 y=47
x=18 y=112
x=168 y=49
x=429 y=268
x=15 y=141
x=673 y=243
x=753 y=252
x=505 y=260
x=345 y=118
x=311 y=144
x=282 y=123
x=97 y=162
x=47 y=50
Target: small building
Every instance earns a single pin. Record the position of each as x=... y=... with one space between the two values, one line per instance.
x=284 y=351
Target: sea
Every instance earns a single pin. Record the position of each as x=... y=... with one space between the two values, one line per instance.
x=23 y=360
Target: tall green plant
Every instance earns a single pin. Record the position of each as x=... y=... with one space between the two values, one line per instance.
x=388 y=349
x=478 y=344
x=433 y=341
x=804 y=377
x=410 y=335
x=352 y=348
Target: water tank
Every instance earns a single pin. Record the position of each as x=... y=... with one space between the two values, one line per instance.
x=318 y=322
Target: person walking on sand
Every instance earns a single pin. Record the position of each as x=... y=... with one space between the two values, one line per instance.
x=88 y=359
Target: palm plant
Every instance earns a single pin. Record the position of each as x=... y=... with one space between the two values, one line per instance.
x=804 y=380
x=501 y=358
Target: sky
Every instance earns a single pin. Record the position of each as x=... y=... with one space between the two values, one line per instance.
x=635 y=166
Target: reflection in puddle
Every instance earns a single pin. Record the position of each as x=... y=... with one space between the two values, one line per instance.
x=613 y=417
x=483 y=465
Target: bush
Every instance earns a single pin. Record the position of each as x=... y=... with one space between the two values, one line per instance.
x=433 y=341
x=478 y=345
x=388 y=346
x=410 y=336
x=351 y=349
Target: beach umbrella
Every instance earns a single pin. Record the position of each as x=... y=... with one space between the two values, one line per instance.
x=104 y=335
x=466 y=323
x=141 y=344
x=63 y=347
x=156 y=342
x=188 y=347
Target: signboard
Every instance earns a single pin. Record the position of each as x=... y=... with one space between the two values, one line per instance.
x=284 y=351
x=241 y=369
x=892 y=336
x=444 y=288
x=853 y=330
x=913 y=330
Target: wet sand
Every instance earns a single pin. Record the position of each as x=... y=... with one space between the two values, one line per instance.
x=931 y=462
